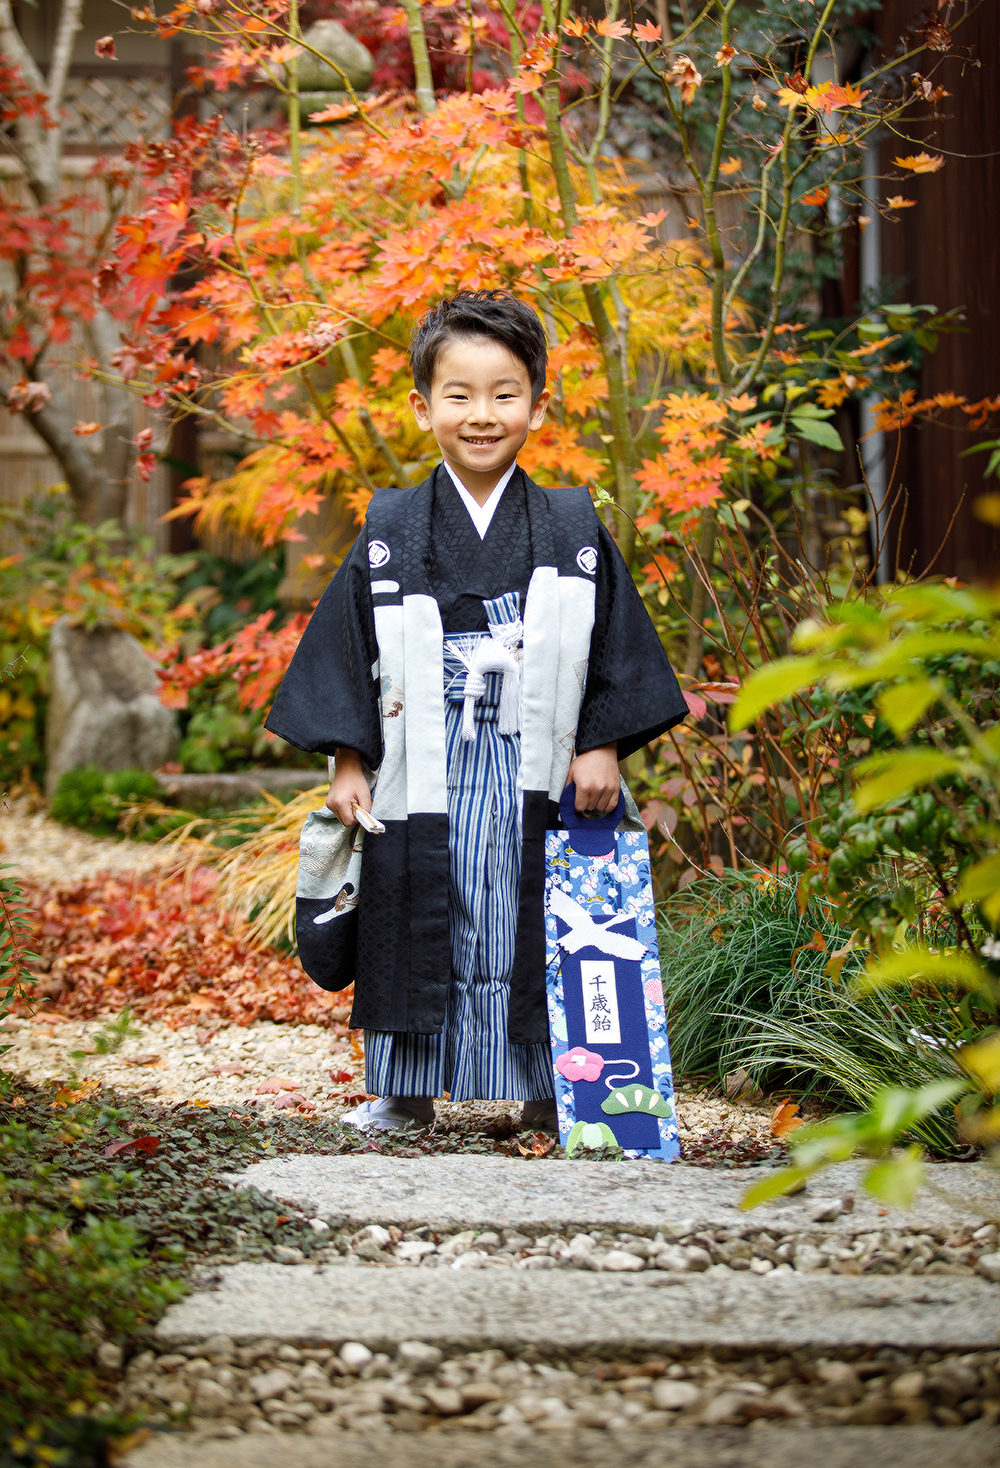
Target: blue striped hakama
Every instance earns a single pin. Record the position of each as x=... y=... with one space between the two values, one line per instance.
x=471 y=1058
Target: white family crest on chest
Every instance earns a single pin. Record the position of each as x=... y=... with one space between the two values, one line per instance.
x=587 y=559
x=379 y=554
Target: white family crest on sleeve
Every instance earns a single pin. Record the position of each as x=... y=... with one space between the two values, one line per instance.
x=587 y=560
x=378 y=554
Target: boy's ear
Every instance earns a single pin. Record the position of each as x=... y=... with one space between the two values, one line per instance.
x=538 y=409
x=421 y=409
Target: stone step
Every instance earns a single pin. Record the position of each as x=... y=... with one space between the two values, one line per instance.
x=228 y=791
x=766 y=1447
x=571 y=1311
x=727 y=1333
x=464 y=1191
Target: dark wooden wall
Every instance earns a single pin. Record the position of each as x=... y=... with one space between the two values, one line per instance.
x=945 y=252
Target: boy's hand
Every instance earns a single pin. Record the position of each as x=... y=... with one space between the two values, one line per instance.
x=598 y=783
x=348 y=788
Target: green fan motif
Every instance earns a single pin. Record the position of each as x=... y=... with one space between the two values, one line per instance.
x=630 y=1098
x=590 y=1136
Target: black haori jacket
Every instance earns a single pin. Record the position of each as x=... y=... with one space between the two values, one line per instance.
x=368 y=675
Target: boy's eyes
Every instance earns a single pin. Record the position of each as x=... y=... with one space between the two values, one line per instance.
x=461 y=397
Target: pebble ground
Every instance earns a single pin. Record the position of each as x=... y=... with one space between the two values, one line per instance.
x=221 y=1389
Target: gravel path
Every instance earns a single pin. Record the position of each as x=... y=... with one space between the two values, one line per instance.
x=223 y=1389
x=32 y=844
x=225 y=1066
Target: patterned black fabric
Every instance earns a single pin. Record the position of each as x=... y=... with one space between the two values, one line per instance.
x=465 y=570
x=329 y=952
x=404 y=955
x=527 y=1018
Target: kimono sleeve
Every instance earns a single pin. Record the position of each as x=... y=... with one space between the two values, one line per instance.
x=329 y=698
x=632 y=694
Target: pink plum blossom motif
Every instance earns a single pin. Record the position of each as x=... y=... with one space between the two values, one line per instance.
x=580 y=1065
x=653 y=990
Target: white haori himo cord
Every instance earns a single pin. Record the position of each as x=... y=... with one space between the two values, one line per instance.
x=493 y=654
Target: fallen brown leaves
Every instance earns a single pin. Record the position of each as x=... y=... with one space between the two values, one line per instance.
x=164 y=949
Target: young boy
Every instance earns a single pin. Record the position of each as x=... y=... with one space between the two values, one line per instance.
x=481 y=646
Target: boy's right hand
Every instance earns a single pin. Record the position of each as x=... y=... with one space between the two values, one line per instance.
x=348 y=788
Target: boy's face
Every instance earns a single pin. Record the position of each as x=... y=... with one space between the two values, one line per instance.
x=480 y=409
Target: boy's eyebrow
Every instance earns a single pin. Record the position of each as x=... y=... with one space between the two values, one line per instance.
x=500 y=381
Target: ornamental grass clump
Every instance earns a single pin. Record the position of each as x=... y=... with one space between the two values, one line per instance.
x=747 y=983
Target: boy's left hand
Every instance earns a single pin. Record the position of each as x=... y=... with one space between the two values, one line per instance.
x=597 y=780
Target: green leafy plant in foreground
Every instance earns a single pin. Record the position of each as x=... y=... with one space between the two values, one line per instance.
x=892 y=1178
x=55 y=1280
x=16 y=980
x=927 y=804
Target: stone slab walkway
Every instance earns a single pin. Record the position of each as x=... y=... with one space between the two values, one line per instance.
x=766 y=1447
x=478 y=1310
x=497 y=1192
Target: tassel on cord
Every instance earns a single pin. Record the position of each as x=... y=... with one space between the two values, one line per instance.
x=481 y=655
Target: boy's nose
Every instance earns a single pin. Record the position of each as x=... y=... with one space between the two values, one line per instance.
x=481 y=413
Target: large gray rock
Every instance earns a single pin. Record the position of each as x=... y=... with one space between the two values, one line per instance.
x=352 y=57
x=103 y=704
x=229 y=791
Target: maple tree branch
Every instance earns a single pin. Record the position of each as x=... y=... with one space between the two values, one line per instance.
x=784 y=218
x=626 y=490
x=515 y=36
x=708 y=189
x=13 y=47
x=37 y=146
x=70 y=21
x=294 y=112
x=105 y=339
x=754 y=253
x=328 y=418
x=399 y=473
x=53 y=422
x=424 y=90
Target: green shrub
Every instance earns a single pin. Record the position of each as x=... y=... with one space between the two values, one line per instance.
x=218 y=736
x=745 y=983
x=94 y=799
x=57 y=1282
x=73 y=1272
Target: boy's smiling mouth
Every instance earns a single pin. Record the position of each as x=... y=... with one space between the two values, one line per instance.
x=480 y=442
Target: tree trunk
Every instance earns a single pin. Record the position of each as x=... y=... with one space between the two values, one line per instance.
x=98 y=489
x=93 y=499
x=119 y=421
x=700 y=561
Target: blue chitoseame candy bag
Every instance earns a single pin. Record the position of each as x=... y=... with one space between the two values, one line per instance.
x=607 y=1024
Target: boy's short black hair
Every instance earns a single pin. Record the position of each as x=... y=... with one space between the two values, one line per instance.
x=497 y=315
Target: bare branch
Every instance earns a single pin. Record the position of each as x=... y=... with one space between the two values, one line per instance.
x=70 y=20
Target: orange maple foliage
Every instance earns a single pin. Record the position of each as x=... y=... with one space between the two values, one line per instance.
x=396 y=211
x=255 y=658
